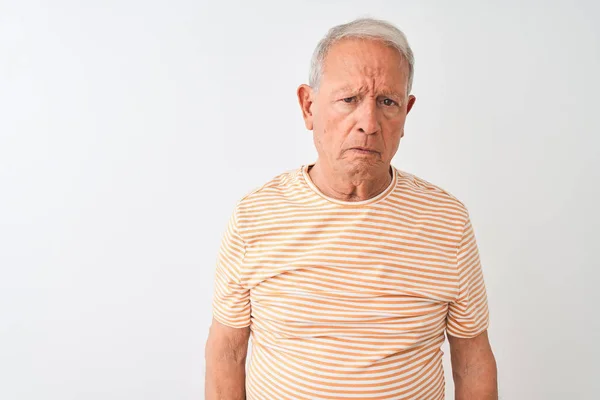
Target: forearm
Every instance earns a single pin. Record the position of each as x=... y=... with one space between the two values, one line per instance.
x=225 y=378
x=476 y=381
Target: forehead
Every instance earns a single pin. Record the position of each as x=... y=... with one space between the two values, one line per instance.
x=360 y=62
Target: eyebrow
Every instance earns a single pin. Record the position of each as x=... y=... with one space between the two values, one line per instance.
x=386 y=92
x=345 y=89
x=392 y=93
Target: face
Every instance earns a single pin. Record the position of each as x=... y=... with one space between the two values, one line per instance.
x=357 y=114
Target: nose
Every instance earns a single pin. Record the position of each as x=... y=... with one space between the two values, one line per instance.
x=368 y=122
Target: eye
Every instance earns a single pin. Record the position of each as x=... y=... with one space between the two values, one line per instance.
x=349 y=99
x=389 y=102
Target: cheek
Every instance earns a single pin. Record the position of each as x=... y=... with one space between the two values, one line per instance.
x=339 y=126
x=395 y=126
x=331 y=124
x=332 y=120
x=393 y=131
x=329 y=142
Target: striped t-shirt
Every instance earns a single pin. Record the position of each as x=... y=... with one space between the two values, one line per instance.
x=349 y=299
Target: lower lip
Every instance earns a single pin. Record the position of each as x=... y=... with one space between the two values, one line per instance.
x=360 y=151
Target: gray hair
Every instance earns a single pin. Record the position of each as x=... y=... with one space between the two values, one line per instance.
x=362 y=28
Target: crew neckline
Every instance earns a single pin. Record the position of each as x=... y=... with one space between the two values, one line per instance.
x=380 y=197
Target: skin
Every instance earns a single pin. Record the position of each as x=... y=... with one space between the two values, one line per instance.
x=362 y=102
x=474 y=368
x=225 y=356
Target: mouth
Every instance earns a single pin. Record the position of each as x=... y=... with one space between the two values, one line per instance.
x=364 y=150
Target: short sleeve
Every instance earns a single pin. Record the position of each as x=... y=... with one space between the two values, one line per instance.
x=231 y=301
x=468 y=315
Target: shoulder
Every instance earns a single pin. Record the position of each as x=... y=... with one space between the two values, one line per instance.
x=272 y=193
x=281 y=183
x=431 y=197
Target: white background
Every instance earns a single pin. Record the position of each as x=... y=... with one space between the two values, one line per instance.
x=129 y=129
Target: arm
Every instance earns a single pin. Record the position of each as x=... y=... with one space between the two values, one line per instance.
x=473 y=363
x=473 y=368
x=225 y=354
x=227 y=344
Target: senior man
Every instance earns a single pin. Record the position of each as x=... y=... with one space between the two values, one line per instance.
x=348 y=272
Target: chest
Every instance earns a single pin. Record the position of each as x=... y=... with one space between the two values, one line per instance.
x=362 y=258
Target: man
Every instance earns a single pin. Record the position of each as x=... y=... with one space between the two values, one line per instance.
x=348 y=272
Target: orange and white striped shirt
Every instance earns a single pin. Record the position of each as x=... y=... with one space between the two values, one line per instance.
x=349 y=299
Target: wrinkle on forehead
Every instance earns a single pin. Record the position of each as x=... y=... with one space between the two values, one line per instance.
x=363 y=65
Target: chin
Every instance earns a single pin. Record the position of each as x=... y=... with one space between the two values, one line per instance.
x=364 y=166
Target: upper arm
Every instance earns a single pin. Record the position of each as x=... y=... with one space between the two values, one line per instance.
x=231 y=299
x=473 y=363
x=230 y=328
x=468 y=314
x=469 y=350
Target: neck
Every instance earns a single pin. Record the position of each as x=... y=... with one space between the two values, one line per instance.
x=353 y=185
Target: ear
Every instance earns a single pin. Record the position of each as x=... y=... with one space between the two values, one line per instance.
x=305 y=98
x=409 y=106
x=411 y=103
